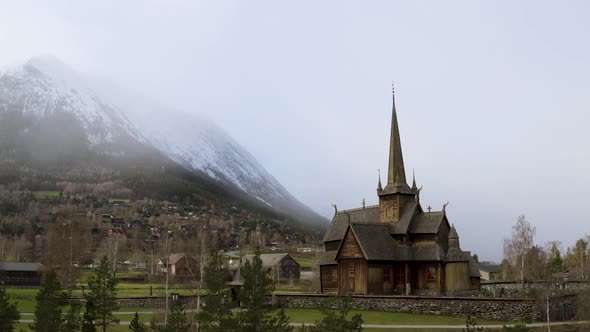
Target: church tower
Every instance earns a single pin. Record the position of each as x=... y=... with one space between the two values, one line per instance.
x=397 y=193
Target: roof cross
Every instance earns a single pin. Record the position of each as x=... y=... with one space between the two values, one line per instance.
x=429 y=208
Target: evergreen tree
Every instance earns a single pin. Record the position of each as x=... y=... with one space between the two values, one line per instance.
x=216 y=315
x=256 y=313
x=177 y=321
x=9 y=315
x=88 y=318
x=136 y=325
x=337 y=320
x=554 y=263
x=72 y=321
x=48 y=309
x=102 y=289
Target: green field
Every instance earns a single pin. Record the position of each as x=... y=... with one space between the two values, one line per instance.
x=369 y=317
x=45 y=194
x=310 y=315
x=305 y=262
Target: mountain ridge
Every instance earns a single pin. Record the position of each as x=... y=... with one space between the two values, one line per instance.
x=113 y=118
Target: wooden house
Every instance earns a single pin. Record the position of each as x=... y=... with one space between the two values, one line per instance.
x=282 y=268
x=20 y=274
x=396 y=247
x=179 y=265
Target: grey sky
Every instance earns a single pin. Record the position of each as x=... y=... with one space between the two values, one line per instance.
x=492 y=96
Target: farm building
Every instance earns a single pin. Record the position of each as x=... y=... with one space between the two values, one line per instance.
x=20 y=274
x=179 y=265
x=281 y=267
x=395 y=247
x=489 y=271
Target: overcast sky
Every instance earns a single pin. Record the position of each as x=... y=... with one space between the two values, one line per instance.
x=492 y=96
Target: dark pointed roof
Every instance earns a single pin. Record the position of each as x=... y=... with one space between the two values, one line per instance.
x=396 y=176
x=427 y=222
x=453 y=233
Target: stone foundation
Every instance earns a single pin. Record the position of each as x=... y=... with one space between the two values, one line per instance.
x=501 y=309
x=492 y=309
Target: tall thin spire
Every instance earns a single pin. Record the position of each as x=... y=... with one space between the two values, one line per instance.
x=379 y=188
x=414 y=186
x=396 y=177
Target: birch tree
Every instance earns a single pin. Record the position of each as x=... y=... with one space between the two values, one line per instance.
x=517 y=247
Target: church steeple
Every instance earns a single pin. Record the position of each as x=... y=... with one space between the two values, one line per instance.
x=379 y=188
x=397 y=195
x=396 y=176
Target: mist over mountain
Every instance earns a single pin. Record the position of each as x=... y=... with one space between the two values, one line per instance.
x=53 y=118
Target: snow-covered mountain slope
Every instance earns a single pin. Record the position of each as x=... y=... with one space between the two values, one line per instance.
x=44 y=85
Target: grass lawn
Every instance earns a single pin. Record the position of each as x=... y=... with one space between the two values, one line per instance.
x=45 y=194
x=384 y=318
x=305 y=262
x=124 y=200
x=369 y=317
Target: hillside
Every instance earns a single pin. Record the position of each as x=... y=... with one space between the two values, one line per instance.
x=59 y=130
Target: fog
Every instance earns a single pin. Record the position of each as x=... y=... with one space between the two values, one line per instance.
x=492 y=97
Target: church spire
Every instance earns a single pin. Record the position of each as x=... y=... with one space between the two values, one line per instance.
x=379 y=188
x=414 y=187
x=396 y=176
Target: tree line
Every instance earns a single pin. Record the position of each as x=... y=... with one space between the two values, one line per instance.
x=55 y=311
x=524 y=260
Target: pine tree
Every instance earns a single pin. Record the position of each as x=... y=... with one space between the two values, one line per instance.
x=9 y=315
x=72 y=321
x=48 y=309
x=554 y=263
x=337 y=321
x=177 y=322
x=102 y=288
x=136 y=325
x=216 y=315
x=88 y=318
x=256 y=313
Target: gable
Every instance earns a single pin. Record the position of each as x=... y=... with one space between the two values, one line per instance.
x=349 y=248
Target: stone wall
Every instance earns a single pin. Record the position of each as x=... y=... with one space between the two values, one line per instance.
x=502 y=309
x=483 y=308
x=514 y=289
x=157 y=302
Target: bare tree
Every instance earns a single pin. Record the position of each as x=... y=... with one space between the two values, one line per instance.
x=516 y=248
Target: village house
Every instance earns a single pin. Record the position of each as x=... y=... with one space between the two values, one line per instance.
x=397 y=246
x=179 y=266
x=489 y=271
x=282 y=268
x=20 y=274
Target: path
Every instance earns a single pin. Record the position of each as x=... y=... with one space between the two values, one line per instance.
x=372 y=326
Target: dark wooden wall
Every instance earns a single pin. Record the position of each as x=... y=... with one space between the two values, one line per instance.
x=329 y=279
x=289 y=269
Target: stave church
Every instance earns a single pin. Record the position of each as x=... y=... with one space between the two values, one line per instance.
x=396 y=247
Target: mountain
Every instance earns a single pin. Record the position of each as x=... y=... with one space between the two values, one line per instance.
x=55 y=111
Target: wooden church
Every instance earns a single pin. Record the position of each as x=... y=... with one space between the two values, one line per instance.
x=395 y=247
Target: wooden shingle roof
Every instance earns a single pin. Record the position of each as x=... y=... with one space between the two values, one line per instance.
x=427 y=222
x=339 y=224
x=375 y=241
x=328 y=258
